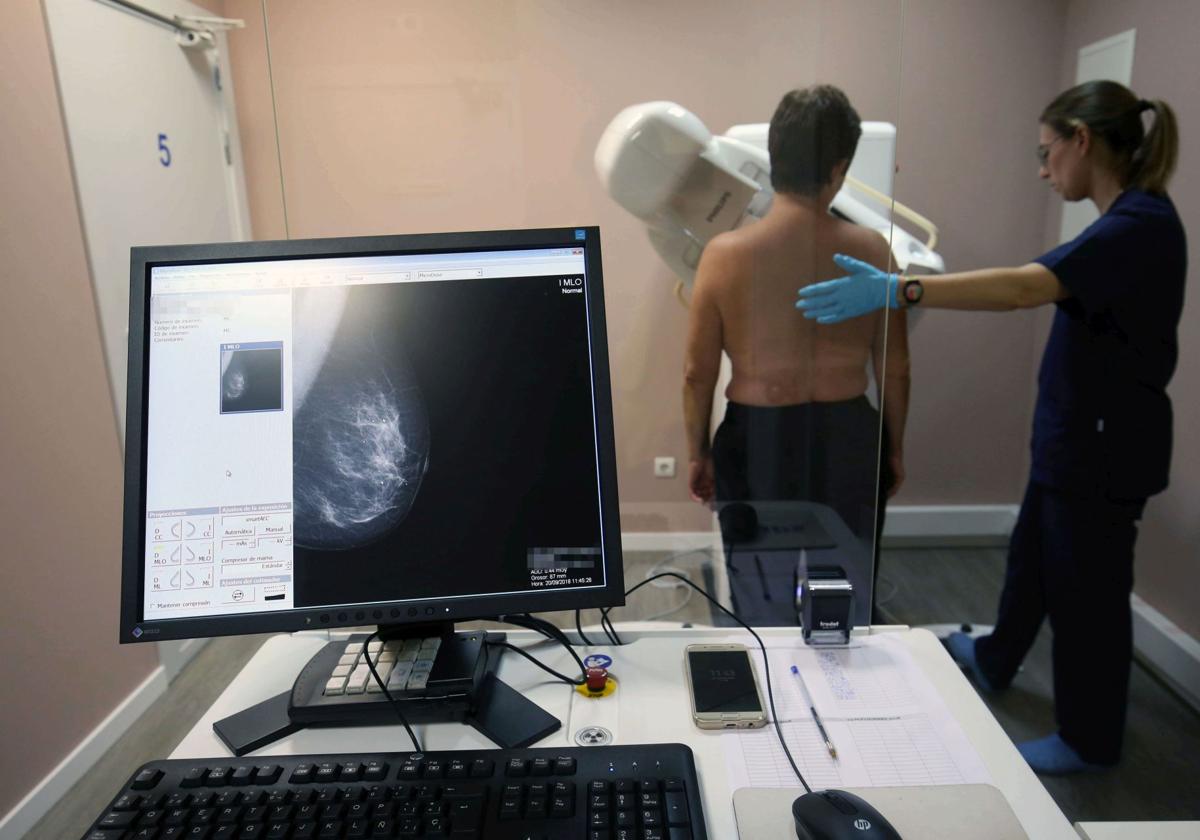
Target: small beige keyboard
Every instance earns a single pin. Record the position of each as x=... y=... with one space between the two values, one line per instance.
x=404 y=665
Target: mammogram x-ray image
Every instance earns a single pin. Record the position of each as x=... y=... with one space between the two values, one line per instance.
x=360 y=429
x=252 y=380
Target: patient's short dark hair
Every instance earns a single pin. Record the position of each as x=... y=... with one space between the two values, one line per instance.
x=813 y=130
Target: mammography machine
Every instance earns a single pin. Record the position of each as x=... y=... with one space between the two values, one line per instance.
x=660 y=162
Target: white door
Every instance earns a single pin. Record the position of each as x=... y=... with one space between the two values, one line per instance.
x=1110 y=59
x=152 y=132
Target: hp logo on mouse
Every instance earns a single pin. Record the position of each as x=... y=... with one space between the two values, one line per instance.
x=862 y=825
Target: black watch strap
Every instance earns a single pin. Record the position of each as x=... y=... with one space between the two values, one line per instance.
x=913 y=290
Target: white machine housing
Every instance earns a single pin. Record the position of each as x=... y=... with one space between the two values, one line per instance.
x=660 y=162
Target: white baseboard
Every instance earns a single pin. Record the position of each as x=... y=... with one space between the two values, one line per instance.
x=174 y=655
x=669 y=540
x=1167 y=650
x=38 y=802
x=949 y=524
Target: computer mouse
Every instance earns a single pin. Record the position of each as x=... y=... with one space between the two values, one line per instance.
x=838 y=815
x=739 y=521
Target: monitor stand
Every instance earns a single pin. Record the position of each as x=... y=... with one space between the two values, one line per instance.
x=461 y=686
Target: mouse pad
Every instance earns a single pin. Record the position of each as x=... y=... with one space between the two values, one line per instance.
x=935 y=812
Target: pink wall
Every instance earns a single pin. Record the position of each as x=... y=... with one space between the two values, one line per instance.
x=974 y=78
x=1168 y=557
x=484 y=115
x=60 y=500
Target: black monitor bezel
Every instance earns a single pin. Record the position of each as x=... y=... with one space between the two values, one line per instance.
x=464 y=608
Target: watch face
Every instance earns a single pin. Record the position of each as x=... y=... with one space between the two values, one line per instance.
x=913 y=291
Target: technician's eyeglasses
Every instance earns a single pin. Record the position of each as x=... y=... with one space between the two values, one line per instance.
x=1043 y=150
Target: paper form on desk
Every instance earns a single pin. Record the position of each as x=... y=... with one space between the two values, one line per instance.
x=887 y=721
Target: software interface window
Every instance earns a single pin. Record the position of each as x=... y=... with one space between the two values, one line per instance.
x=303 y=415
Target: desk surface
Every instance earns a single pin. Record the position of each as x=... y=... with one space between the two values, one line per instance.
x=651 y=706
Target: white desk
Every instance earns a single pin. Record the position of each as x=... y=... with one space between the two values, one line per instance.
x=651 y=705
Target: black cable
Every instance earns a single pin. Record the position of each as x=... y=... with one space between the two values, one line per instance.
x=766 y=663
x=553 y=631
x=604 y=624
x=612 y=629
x=388 y=694
x=540 y=625
x=607 y=626
x=541 y=665
x=579 y=629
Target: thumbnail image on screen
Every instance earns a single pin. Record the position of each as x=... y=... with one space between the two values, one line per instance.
x=251 y=377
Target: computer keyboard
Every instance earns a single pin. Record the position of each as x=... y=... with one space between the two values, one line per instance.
x=639 y=792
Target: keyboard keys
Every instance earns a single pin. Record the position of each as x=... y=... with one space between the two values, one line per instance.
x=203 y=816
x=466 y=814
x=194 y=777
x=463 y=790
x=177 y=816
x=540 y=794
x=255 y=813
x=267 y=774
x=118 y=819
x=677 y=809
x=127 y=802
x=146 y=779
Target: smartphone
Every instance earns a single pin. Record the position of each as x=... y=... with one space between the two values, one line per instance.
x=724 y=687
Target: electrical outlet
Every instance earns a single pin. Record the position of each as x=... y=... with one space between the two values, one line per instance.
x=664 y=467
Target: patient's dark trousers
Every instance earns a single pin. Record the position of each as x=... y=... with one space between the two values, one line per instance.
x=1071 y=559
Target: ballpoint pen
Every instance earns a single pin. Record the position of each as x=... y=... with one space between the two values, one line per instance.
x=816 y=717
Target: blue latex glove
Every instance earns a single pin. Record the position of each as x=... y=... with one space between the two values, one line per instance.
x=863 y=290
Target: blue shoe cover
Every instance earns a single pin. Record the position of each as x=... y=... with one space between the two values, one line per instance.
x=962 y=649
x=1055 y=757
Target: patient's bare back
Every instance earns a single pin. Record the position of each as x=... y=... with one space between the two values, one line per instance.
x=779 y=357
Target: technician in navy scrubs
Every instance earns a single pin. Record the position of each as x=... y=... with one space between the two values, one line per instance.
x=1102 y=425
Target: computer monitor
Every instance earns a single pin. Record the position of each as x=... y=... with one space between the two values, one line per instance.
x=380 y=430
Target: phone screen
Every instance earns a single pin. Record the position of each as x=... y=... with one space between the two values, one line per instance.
x=722 y=681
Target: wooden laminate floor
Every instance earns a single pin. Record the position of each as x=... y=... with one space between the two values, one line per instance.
x=1158 y=779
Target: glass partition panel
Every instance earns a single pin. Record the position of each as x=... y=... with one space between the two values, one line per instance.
x=970 y=99
x=649 y=120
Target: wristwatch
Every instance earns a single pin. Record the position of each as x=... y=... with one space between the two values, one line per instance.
x=912 y=291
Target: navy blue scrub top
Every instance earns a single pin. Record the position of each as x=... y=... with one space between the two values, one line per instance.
x=1102 y=425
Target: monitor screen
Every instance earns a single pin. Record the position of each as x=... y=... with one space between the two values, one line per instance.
x=367 y=431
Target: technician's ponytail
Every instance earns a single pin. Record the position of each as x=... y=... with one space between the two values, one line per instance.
x=1154 y=160
x=1113 y=113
